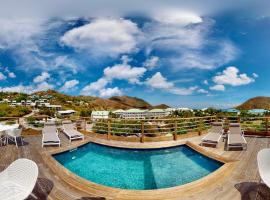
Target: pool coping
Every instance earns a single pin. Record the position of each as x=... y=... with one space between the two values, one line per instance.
x=99 y=190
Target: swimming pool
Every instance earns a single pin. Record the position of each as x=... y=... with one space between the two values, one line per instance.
x=137 y=169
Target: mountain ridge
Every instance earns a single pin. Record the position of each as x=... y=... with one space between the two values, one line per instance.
x=89 y=102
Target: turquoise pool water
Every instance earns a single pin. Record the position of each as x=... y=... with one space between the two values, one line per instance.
x=137 y=169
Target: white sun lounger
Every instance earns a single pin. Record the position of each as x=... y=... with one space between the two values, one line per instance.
x=214 y=134
x=50 y=135
x=236 y=137
x=263 y=160
x=70 y=131
x=18 y=180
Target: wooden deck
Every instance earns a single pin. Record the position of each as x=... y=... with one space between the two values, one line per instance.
x=242 y=183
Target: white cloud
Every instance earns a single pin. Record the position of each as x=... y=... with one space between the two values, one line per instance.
x=184 y=46
x=27 y=88
x=69 y=85
x=151 y=62
x=11 y=75
x=124 y=72
x=2 y=76
x=202 y=91
x=157 y=81
x=217 y=87
x=19 y=88
x=44 y=76
x=104 y=37
x=43 y=86
x=255 y=75
x=205 y=82
x=108 y=92
x=95 y=87
x=231 y=76
x=177 y=17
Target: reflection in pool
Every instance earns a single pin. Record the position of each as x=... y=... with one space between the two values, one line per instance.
x=137 y=169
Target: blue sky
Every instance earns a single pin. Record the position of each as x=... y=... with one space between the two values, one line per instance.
x=182 y=54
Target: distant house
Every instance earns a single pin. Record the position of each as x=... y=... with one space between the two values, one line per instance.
x=100 y=114
x=66 y=112
x=56 y=107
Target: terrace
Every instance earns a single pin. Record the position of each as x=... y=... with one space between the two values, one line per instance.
x=240 y=182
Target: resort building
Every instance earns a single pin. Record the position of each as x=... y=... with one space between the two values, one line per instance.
x=156 y=113
x=134 y=114
x=99 y=115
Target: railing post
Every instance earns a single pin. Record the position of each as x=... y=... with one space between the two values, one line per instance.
x=109 y=129
x=175 y=130
x=142 y=131
x=85 y=124
x=200 y=127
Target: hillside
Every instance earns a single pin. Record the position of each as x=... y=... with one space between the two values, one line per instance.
x=80 y=103
x=130 y=102
x=256 y=103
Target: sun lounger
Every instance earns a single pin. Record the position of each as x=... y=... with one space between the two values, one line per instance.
x=50 y=135
x=70 y=131
x=18 y=180
x=214 y=134
x=263 y=160
x=236 y=137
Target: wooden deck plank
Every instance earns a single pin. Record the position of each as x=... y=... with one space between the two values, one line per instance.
x=242 y=183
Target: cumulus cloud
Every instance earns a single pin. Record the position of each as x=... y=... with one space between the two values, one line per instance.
x=43 y=86
x=177 y=17
x=2 y=76
x=69 y=85
x=108 y=92
x=231 y=76
x=19 y=88
x=217 y=88
x=42 y=77
x=104 y=37
x=205 y=82
x=11 y=75
x=122 y=71
x=255 y=75
x=157 y=81
x=151 y=62
x=202 y=91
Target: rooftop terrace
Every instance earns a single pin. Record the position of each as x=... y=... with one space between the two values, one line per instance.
x=241 y=183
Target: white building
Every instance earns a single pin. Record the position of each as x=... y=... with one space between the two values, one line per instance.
x=66 y=112
x=56 y=107
x=135 y=114
x=157 y=113
x=184 y=109
x=103 y=114
x=141 y=114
